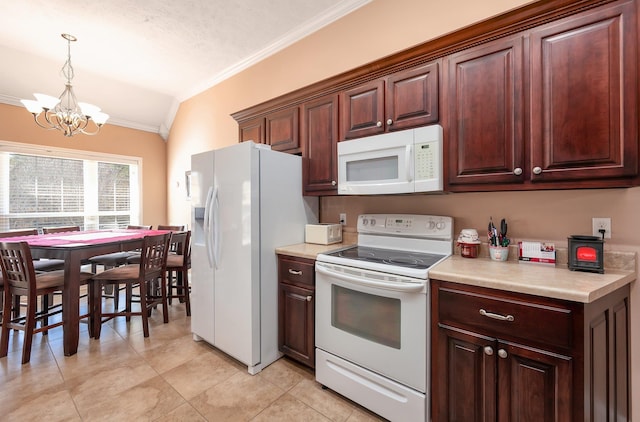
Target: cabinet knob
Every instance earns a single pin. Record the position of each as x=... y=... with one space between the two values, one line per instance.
x=379 y=124
x=517 y=171
x=503 y=353
x=309 y=298
x=389 y=122
x=294 y=272
x=488 y=350
x=537 y=170
x=333 y=183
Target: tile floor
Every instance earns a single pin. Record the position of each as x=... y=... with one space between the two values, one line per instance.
x=165 y=377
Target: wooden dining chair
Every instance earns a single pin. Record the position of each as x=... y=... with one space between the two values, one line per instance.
x=178 y=264
x=152 y=266
x=40 y=265
x=21 y=279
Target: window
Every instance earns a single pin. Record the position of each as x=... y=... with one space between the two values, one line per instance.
x=57 y=187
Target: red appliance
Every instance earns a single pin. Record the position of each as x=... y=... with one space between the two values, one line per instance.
x=586 y=253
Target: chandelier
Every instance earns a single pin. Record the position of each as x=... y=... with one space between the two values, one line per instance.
x=66 y=113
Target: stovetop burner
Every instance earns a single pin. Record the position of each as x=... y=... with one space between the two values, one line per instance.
x=406 y=259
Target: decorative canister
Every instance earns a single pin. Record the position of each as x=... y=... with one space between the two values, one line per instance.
x=469 y=243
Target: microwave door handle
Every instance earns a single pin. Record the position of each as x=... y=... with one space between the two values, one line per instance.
x=398 y=287
x=409 y=162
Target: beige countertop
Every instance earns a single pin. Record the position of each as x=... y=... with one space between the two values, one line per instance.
x=540 y=280
x=309 y=250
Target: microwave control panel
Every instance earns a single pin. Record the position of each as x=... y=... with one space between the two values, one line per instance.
x=427 y=160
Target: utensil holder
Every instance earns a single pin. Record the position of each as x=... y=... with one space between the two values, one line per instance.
x=499 y=253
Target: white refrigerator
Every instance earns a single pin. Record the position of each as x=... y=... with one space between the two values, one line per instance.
x=246 y=201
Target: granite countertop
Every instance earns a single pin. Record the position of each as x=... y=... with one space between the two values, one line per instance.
x=539 y=280
x=310 y=250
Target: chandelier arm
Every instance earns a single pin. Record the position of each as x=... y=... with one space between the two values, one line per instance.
x=95 y=132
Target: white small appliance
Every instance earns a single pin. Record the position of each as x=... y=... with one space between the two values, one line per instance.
x=323 y=233
x=372 y=313
x=397 y=162
x=246 y=201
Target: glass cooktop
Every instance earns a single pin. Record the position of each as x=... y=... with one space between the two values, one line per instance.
x=407 y=259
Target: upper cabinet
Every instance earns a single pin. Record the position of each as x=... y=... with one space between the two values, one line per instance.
x=402 y=100
x=278 y=129
x=320 y=140
x=584 y=96
x=282 y=130
x=579 y=127
x=485 y=113
x=252 y=130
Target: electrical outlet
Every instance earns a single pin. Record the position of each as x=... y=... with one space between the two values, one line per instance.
x=343 y=218
x=601 y=223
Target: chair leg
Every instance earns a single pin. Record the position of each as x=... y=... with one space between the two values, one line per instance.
x=28 y=330
x=185 y=286
x=96 y=295
x=45 y=308
x=144 y=309
x=163 y=293
x=4 y=332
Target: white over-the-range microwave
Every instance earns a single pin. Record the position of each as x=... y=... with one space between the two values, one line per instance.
x=396 y=162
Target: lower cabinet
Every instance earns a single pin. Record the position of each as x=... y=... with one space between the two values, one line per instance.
x=296 y=308
x=504 y=356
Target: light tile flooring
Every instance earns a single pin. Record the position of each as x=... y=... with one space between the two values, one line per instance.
x=165 y=377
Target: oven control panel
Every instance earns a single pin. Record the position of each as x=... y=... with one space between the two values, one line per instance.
x=413 y=225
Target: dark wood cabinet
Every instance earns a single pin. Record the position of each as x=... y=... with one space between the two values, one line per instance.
x=282 y=131
x=402 y=100
x=542 y=97
x=252 y=130
x=504 y=356
x=296 y=308
x=484 y=94
x=579 y=126
x=584 y=93
x=320 y=140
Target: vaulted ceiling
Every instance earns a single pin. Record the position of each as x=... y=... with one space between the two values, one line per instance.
x=138 y=60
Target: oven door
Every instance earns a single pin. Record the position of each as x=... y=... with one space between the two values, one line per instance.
x=374 y=320
x=381 y=164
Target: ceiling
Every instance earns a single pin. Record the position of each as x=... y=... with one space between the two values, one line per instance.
x=139 y=60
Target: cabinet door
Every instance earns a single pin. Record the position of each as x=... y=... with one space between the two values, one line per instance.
x=411 y=98
x=533 y=385
x=362 y=110
x=486 y=111
x=282 y=130
x=320 y=139
x=296 y=333
x=584 y=96
x=464 y=377
x=252 y=130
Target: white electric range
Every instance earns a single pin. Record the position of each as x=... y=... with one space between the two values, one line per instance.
x=372 y=313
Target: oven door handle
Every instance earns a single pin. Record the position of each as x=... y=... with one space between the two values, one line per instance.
x=399 y=287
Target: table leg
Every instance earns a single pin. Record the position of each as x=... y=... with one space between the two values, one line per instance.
x=71 y=303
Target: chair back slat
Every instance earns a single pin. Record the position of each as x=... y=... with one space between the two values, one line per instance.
x=153 y=258
x=132 y=227
x=17 y=266
x=171 y=228
x=47 y=230
x=19 y=232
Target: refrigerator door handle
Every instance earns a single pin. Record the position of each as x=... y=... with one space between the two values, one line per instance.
x=215 y=206
x=207 y=225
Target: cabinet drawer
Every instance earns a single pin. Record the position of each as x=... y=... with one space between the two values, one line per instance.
x=296 y=271
x=507 y=318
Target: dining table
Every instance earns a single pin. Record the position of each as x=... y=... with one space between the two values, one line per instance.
x=75 y=247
